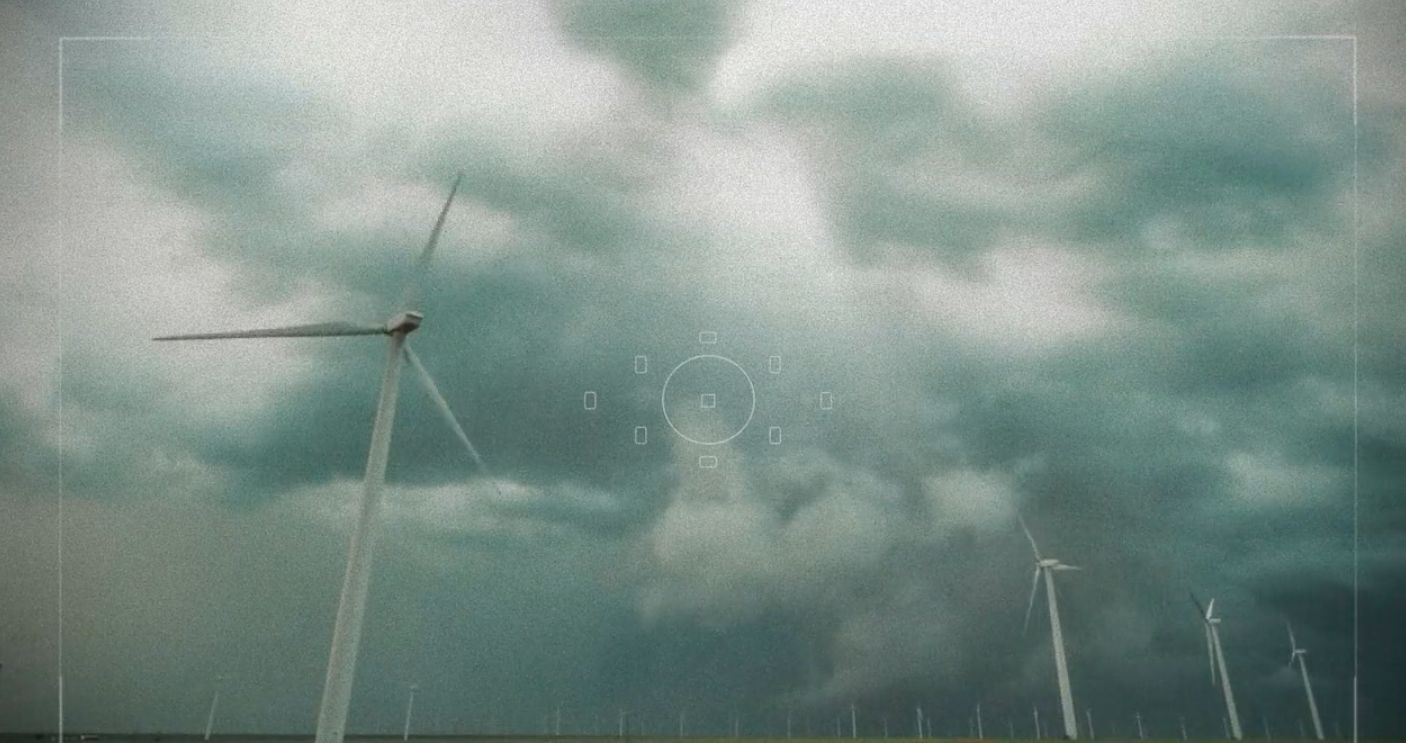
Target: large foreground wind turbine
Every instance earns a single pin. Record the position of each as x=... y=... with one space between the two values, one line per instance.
x=346 y=634
x=1047 y=566
x=1298 y=653
x=1213 y=650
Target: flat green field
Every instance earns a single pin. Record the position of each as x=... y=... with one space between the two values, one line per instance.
x=74 y=737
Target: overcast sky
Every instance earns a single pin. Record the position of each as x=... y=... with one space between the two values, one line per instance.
x=1093 y=263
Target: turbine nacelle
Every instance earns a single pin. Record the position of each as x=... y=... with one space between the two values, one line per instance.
x=404 y=322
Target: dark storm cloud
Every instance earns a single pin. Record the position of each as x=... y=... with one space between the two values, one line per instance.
x=1209 y=151
x=671 y=47
x=1220 y=147
x=874 y=117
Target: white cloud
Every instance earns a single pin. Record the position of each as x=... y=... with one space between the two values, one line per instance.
x=971 y=498
x=1028 y=299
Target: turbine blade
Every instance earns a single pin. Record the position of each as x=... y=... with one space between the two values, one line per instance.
x=1062 y=566
x=417 y=274
x=1293 y=646
x=1200 y=609
x=1210 y=608
x=1026 y=529
x=1034 y=586
x=314 y=330
x=443 y=406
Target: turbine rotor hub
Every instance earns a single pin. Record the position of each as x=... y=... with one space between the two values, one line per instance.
x=404 y=322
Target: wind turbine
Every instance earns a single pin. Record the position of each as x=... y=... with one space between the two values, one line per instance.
x=1298 y=653
x=214 y=700
x=1217 y=659
x=1047 y=566
x=409 y=708
x=346 y=633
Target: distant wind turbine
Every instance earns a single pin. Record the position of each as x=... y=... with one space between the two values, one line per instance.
x=214 y=700
x=979 y=734
x=1047 y=566
x=409 y=709
x=346 y=633
x=853 y=726
x=1298 y=653
x=1036 y=710
x=1141 y=734
x=919 y=709
x=1217 y=657
x=1089 y=718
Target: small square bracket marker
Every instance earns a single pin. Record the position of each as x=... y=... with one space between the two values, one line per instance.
x=827 y=401
x=707 y=337
x=707 y=401
x=773 y=364
x=641 y=435
x=588 y=400
x=773 y=434
x=641 y=364
x=707 y=462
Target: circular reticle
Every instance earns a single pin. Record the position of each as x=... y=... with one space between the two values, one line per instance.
x=711 y=397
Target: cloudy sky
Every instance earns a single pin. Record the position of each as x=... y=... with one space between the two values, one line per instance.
x=1088 y=262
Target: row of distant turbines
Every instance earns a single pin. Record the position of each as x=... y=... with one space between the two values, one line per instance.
x=1048 y=566
x=346 y=637
x=628 y=723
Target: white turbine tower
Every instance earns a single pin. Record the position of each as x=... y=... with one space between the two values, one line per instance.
x=1217 y=658
x=1047 y=566
x=346 y=633
x=1298 y=653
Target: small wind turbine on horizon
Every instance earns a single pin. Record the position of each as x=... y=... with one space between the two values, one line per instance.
x=1298 y=653
x=214 y=701
x=1048 y=566
x=409 y=709
x=351 y=609
x=1217 y=658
